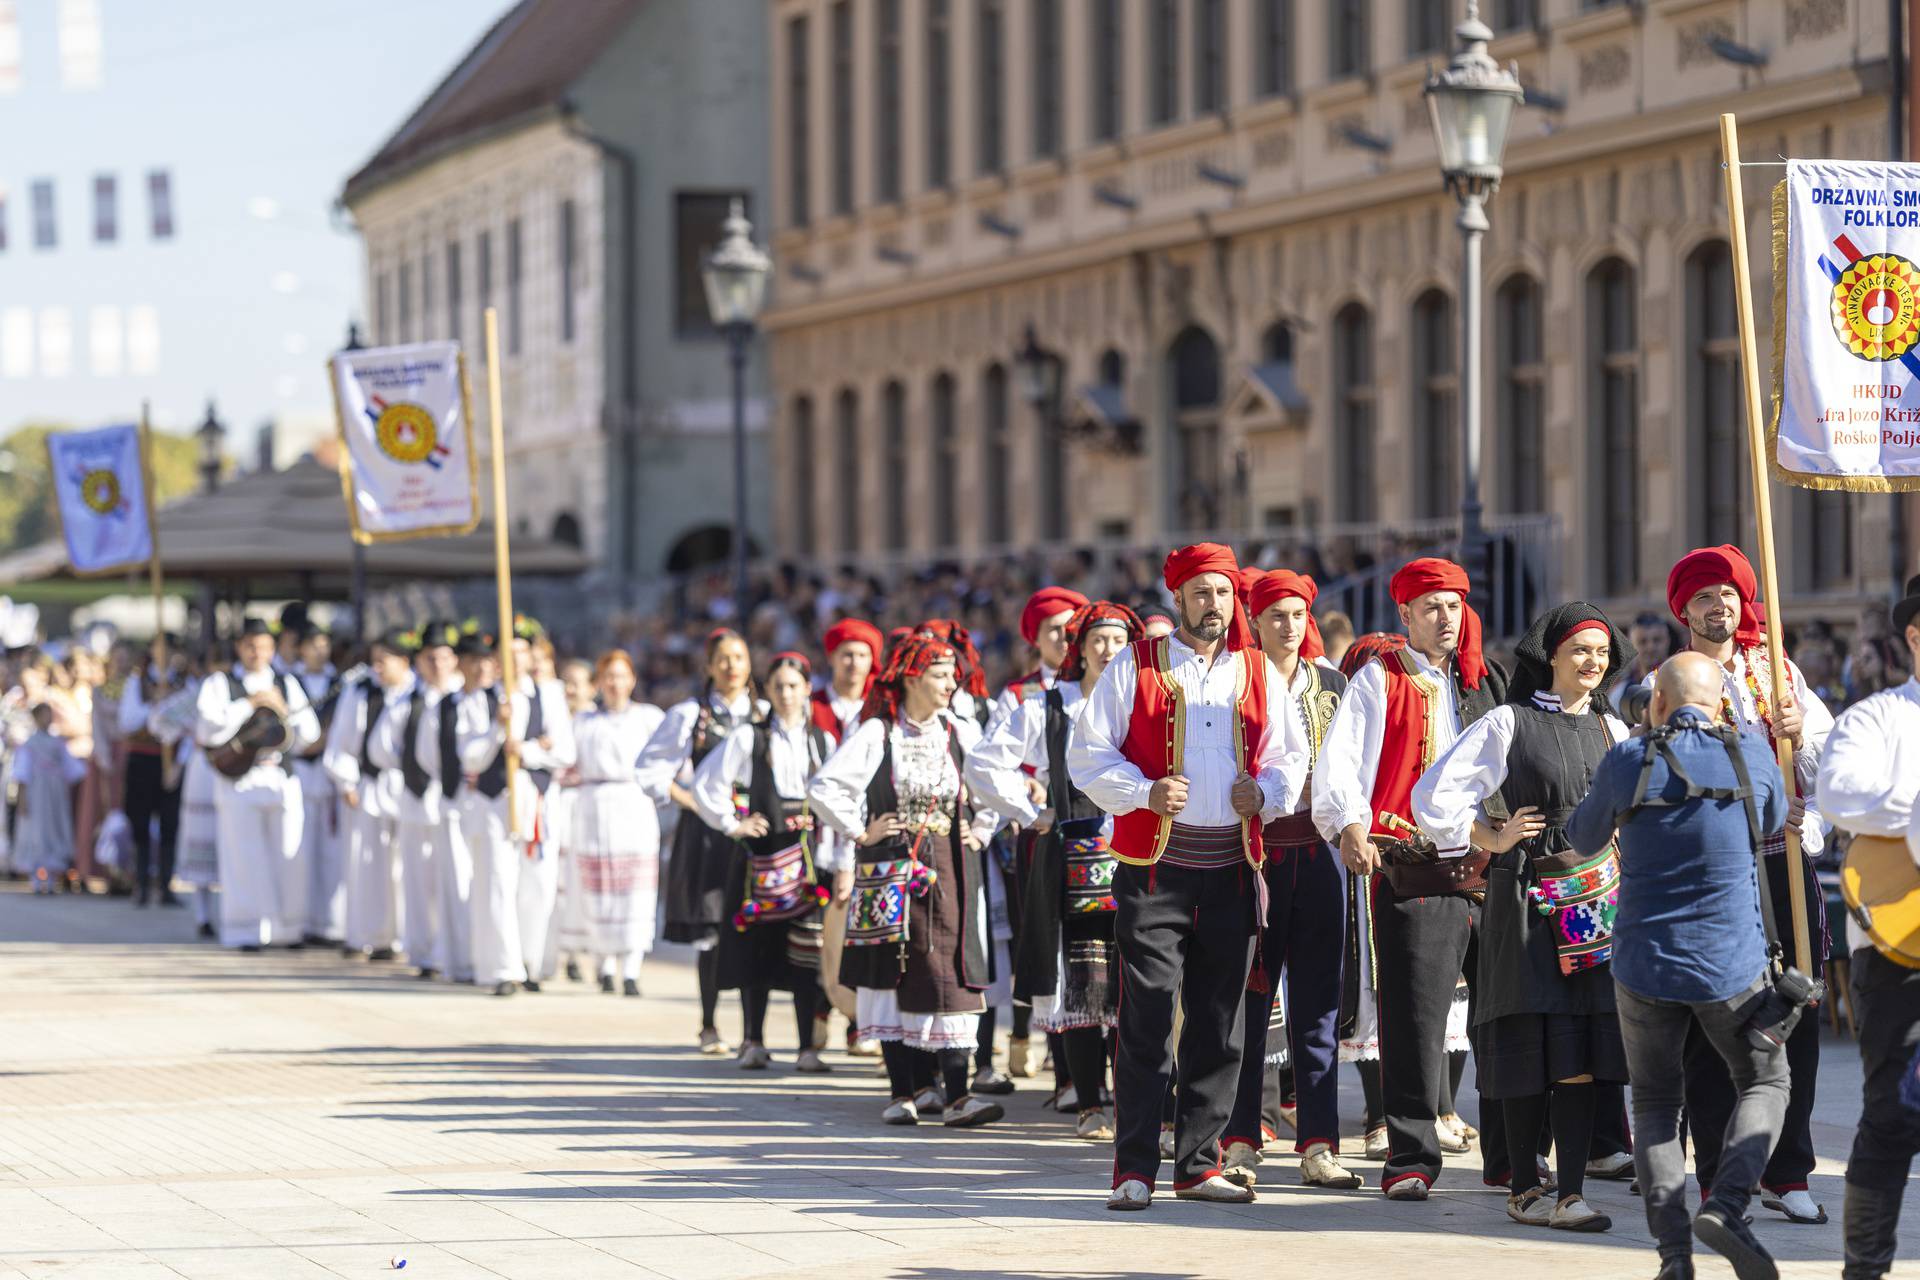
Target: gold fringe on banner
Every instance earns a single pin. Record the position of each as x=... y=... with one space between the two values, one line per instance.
x=1781 y=472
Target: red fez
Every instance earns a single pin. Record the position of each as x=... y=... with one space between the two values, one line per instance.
x=853 y=631
x=1710 y=567
x=1281 y=584
x=1429 y=574
x=1044 y=604
x=1187 y=563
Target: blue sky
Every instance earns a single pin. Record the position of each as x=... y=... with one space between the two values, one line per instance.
x=259 y=110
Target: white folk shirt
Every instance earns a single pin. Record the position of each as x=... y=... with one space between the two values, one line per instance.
x=838 y=792
x=1869 y=777
x=789 y=755
x=996 y=769
x=1453 y=792
x=390 y=744
x=221 y=715
x=478 y=737
x=1210 y=692
x=1343 y=777
x=1004 y=702
x=347 y=735
x=667 y=757
x=1816 y=721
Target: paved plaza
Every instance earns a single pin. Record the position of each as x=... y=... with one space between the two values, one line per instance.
x=171 y=1110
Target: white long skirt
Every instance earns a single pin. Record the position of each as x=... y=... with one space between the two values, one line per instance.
x=612 y=873
x=880 y=1019
x=198 y=856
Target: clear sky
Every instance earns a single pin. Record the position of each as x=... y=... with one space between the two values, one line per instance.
x=259 y=110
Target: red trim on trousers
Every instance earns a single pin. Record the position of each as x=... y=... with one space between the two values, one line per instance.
x=1190 y=1183
x=1399 y=1178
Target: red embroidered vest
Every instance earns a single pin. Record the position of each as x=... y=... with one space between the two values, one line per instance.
x=1407 y=747
x=1156 y=745
x=823 y=715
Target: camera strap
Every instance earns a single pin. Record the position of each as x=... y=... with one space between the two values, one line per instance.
x=1776 y=954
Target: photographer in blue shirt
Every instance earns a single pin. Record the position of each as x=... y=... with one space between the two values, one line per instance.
x=1689 y=944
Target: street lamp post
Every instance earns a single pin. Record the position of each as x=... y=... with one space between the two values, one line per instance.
x=358 y=587
x=1471 y=103
x=1041 y=374
x=212 y=435
x=736 y=280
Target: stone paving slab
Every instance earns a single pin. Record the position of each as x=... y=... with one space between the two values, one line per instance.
x=171 y=1110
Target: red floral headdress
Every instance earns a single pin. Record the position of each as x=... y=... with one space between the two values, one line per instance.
x=909 y=659
x=1087 y=616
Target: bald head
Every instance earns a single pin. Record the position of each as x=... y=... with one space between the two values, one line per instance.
x=1686 y=680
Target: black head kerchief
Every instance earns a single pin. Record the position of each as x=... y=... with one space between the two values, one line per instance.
x=1533 y=656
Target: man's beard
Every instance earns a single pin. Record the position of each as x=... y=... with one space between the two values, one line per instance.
x=1712 y=632
x=1209 y=627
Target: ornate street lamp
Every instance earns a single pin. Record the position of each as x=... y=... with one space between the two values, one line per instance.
x=1472 y=104
x=736 y=279
x=212 y=435
x=1040 y=375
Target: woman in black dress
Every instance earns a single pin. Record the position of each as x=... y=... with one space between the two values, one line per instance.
x=1544 y=1021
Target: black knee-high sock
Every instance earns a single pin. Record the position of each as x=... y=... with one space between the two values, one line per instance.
x=1369 y=1069
x=1023 y=1022
x=1572 y=1135
x=806 y=1000
x=953 y=1070
x=753 y=1004
x=1062 y=1066
x=1086 y=1049
x=1456 y=1067
x=899 y=1060
x=925 y=1070
x=708 y=967
x=983 y=1052
x=1524 y=1117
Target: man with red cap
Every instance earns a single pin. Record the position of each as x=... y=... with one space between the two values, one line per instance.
x=1713 y=594
x=1043 y=625
x=1306 y=917
x=1189 y=742
x=853 y=652
x=1401 y=711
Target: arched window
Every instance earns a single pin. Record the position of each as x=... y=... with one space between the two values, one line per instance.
x=1194 y=362
x=893 y=444
x=848 y=448
x=566 y=529
x=944 y=457
x=994 y=456
x=1353 y=413
x=1113 y=368
x=1713 y=396
x=1436 y=425
x=1613 y=431
x=1522 y=396
x=1276 y=344
x=803 y=464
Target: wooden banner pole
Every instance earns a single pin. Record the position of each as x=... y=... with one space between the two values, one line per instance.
x=1763 y=511
x=155 y=574
x=503 y=572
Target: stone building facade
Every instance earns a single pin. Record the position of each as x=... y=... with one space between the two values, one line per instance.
x=1225 y=216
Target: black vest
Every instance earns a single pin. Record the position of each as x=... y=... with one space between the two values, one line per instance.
x=1068 y=802
x=412 y=772
x=492 y=781
x=375 y=696
x=536 y=730
x=765 y=798
x=449 y=746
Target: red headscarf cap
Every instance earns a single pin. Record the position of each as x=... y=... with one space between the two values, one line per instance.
x=1092 y=615
x=1044 y=604
x=1279 y=585
x=852 y=631
x=1428 y=575
x=1187 y=563
x=972 y=672
x=1709 y=567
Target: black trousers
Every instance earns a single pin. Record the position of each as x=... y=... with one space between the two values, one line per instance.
x=1710 y=1091
x=1306 y=941
x=146 y=797
x=1422 y=946
x=1186 y=934
x=1887 y=997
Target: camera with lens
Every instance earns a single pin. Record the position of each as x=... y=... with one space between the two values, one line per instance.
x=1634 y=704
x=1778 y=1009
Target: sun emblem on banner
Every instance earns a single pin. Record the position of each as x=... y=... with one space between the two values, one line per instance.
x=406 y=433
x=1876 y=306
x=100 y=490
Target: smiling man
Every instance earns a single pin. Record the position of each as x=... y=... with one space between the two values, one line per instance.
x=1712 y=592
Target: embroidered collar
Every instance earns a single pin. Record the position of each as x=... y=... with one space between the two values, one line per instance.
x=1548 y=700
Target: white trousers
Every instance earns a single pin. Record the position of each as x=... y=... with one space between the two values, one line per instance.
x=322 y=848
x=436 y=882
x=372 y=887
x=512 y=897
x=263 y=888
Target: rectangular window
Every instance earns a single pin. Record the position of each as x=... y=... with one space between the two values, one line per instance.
x=843 y=107
x=456 y=285
x=886 y=108
x=143 y=341
x=567 y=281
x=382 y=308
x=46 y=227
x=1522 y=395
x=1510 y=15
x=1109 y=71
x=483 y=250
x=1614 y=409
x=939 y=95
x=1426 y=27
x=799 y=123
x=9 y=48
x=1347 y=31
x=803 y=465
x=1275 y=47
x=160 y=203
x=56 y=342
x=514 y=295
x=79 y=31
x=1209 y=56
x=106 y=209
x=1164 y=33
x=105 y=342
x=1046 y=78
x=406 y=302
x=990 y=84
x=1829 y=538
x=426 y=295
x=699 y=218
